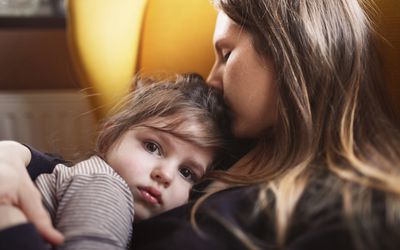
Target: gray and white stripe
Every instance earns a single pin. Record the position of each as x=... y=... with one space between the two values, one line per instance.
x=90 y=204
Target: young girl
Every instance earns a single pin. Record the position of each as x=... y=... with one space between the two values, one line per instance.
x=161 y=141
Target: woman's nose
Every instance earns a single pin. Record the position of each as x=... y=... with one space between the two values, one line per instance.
x=162 y=175
x=215 y=77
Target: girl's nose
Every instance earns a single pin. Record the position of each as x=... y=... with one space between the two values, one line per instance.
x=163 y=175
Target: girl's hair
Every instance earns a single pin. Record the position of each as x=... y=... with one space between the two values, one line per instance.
x=333 y=123
x=190 y=110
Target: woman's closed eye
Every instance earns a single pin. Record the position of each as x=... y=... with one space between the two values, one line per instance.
x=153 y=148
x=188 y=174
x=226 y=55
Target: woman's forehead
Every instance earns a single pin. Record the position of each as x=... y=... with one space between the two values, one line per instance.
x=225 y=27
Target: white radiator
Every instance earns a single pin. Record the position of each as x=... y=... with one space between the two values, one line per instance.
x=53 y=121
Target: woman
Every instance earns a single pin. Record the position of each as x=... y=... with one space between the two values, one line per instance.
x=302 y=80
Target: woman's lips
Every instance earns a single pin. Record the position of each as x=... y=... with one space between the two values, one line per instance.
x=151 y=195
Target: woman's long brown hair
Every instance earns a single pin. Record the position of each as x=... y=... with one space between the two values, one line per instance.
x=334 y=124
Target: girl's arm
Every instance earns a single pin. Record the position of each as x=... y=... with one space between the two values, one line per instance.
x=17 y=189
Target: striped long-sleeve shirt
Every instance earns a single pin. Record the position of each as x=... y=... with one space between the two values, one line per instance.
x=90 y=204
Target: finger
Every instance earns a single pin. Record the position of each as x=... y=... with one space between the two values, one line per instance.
x=33 y=208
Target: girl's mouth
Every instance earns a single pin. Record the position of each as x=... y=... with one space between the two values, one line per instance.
x=150 y=195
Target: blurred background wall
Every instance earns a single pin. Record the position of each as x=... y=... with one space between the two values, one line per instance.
x=41 y=102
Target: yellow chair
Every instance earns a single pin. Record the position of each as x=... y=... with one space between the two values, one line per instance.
x=112 y=40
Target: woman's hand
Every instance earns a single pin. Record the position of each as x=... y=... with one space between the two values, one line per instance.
x=18 y=190
x=11 y=216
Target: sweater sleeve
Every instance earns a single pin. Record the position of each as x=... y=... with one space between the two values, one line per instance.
x=90 y=204
x=95 y=212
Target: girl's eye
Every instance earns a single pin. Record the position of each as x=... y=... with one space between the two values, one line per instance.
x=153 y=148
x=188 y=174
x=225 y=55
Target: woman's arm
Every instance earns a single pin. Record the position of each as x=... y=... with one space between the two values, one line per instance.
x=17 y=189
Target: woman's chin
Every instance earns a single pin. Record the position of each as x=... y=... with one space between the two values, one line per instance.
x=242 y=131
